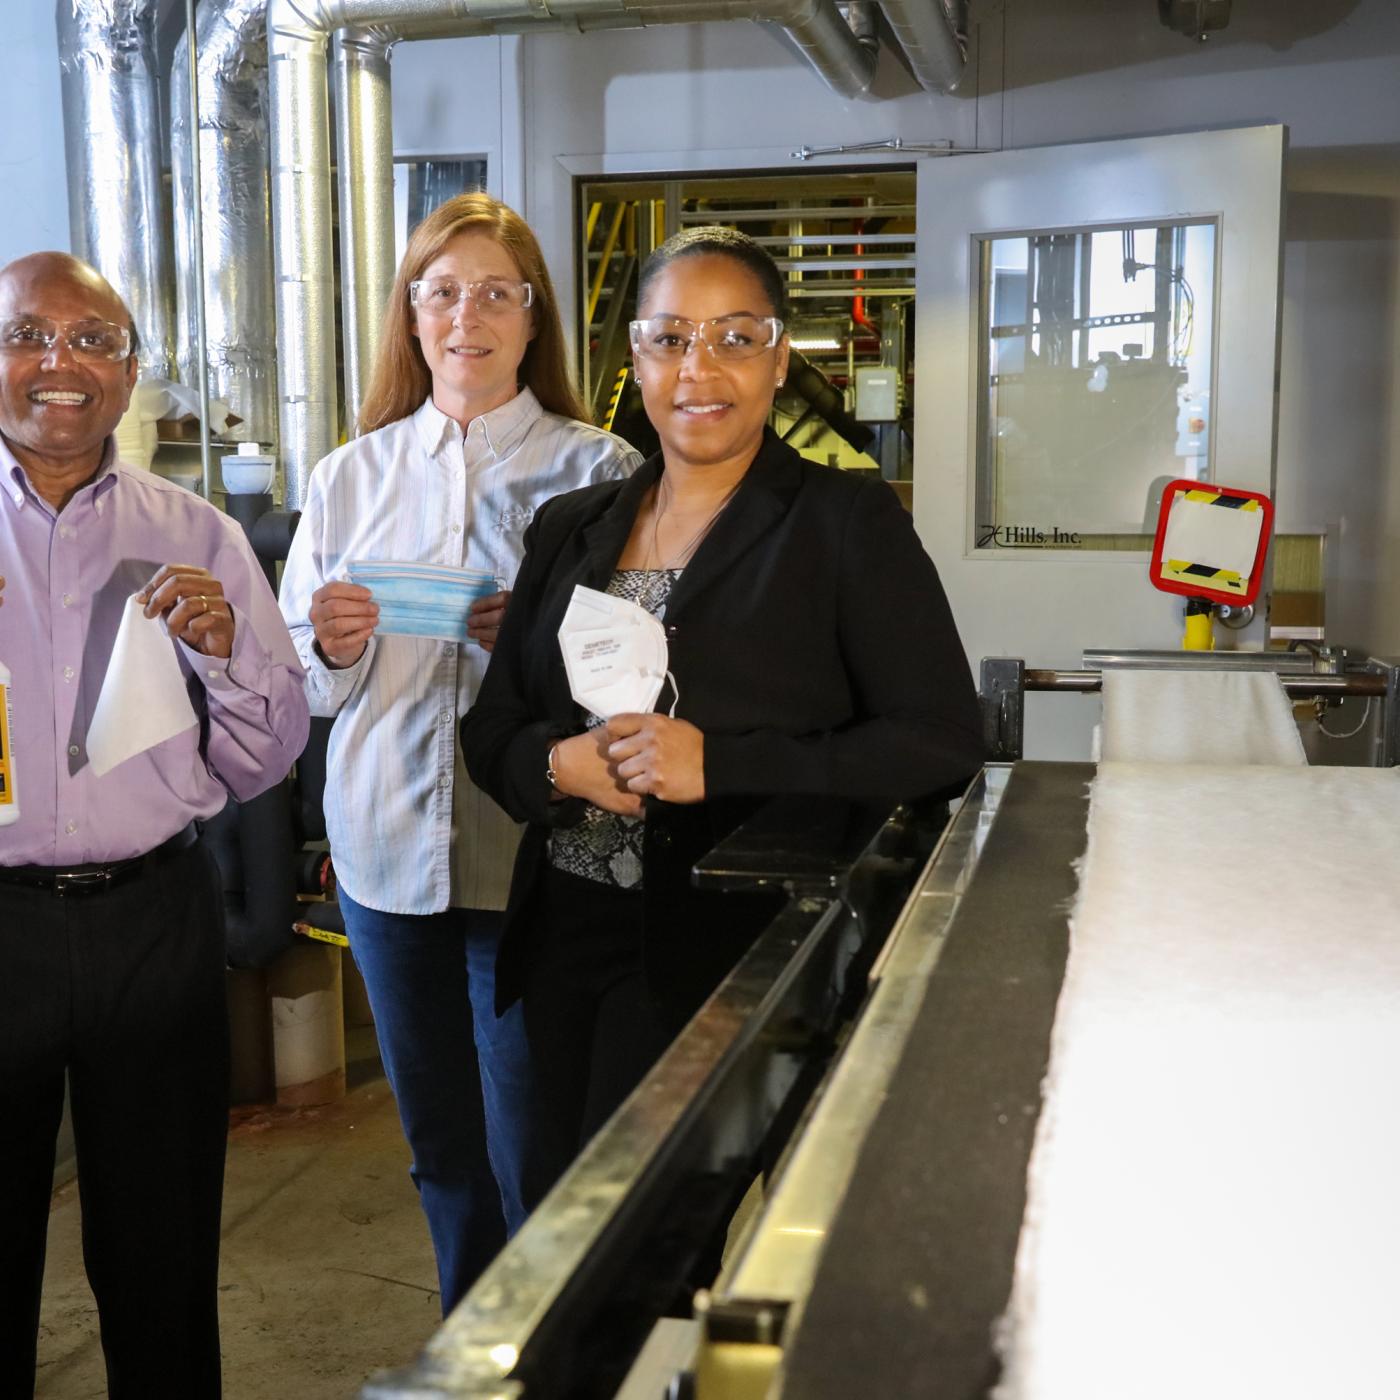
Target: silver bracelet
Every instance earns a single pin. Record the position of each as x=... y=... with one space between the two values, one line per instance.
x=549 y=768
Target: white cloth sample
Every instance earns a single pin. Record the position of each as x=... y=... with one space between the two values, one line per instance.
x=1215 y=717
x=1212 y=1209
x=143 y=701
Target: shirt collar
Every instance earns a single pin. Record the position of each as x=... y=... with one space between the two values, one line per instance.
x=17 y=486
x=502 y=428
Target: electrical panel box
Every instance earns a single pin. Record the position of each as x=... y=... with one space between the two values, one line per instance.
x=877 y=394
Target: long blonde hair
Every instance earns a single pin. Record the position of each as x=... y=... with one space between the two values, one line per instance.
x=401 y=378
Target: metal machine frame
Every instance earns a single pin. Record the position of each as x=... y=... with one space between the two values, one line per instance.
x=1304 y=675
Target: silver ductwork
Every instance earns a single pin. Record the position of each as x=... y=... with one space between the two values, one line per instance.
x=927 y=31
x=364 y=158
x=234 y=204
x=111 y=126
x=298 y=33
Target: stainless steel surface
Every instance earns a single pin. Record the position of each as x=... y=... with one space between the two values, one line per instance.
x=937 y=55
x=1298 y=684
x=1281 y=662
x=779 y=1259
x=480 y=1344
x=1387 y=743
x=364 y=144
x=298 y=33
x=233 y=210
x=111 y=122
x=190 y=72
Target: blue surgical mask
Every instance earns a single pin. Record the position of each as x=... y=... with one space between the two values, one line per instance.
x=422 y=600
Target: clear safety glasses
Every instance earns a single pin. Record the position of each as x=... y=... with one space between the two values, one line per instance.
x=88 y=340
x=737 y=337
x=441 y=296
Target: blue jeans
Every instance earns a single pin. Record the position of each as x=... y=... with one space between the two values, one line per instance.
x=460 y=1075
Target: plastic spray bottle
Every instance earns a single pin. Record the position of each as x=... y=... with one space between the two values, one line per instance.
x=9 y=799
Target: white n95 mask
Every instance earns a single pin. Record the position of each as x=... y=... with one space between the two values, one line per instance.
x=615 y=654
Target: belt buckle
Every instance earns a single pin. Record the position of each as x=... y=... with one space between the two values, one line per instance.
x=81 y=881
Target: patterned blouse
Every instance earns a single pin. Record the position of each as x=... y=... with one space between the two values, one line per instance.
x=604 y=846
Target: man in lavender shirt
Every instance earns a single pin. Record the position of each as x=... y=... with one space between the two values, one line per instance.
x=111 y=935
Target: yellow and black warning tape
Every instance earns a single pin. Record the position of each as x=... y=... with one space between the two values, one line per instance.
x=1223 y=580
x=619 y=384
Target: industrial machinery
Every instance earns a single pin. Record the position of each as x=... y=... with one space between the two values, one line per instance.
x=875 y=1063
x=1324 y=674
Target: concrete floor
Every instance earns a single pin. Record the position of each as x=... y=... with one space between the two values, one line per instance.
x=326 y=1271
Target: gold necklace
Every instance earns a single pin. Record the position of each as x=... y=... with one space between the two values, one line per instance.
x=693 y=544
x=650 y=598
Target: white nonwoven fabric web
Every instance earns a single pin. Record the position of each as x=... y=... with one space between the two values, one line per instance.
x=1213 y=1207
x=1215 y=717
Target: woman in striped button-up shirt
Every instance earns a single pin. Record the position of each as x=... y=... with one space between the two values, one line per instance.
x=470 y=423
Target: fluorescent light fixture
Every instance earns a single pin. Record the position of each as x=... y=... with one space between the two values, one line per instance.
x=821 y=342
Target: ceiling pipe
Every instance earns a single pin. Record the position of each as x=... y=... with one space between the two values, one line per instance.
x=927 y=31
x=364 y=157
x=298 y=34
x=111 y=127
x=238 y=302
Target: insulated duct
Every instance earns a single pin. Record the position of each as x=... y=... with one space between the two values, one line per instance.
x=927 y=32
x=298 y=33
x=111 y=128
x=364 y=158
x=238 y=297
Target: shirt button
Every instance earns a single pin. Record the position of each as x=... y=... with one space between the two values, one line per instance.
x=68 y=673
x=67 y=600
x=65 y=532
x=213 y=675
x=456 y=529
x=72 y=750
x=449 y=648
x=446 y=716
x=71 y=828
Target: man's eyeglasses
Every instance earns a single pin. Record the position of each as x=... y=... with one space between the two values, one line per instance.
x=441 y=296
x=88 y=340
x=737 y=337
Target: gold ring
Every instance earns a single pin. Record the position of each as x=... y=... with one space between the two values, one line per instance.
x=205 y=601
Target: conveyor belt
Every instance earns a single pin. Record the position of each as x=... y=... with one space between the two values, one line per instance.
x=918 y=1263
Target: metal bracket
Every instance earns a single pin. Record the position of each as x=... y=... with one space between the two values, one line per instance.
x=894 y=143
x=1002 y=694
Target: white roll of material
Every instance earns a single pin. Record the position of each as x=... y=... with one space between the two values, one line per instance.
x=1212 y=1206
x=1214 y=717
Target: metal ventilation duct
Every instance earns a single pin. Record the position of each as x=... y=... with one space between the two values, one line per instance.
x=364 y=161
x=238 y=299
x=111 y=127
x=1194 y=18
x=927 y=32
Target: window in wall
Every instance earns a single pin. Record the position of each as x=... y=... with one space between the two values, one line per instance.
x=844 y=242
x=423 y=183
x=1095 y=367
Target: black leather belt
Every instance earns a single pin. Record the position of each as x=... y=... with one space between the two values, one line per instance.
x=98 y=878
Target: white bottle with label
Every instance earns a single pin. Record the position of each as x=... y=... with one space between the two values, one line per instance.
x=9 y=798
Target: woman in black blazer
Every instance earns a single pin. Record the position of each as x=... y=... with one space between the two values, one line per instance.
x=812 y=651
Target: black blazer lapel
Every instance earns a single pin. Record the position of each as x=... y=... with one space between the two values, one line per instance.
x=605 y=537
x=763 y=498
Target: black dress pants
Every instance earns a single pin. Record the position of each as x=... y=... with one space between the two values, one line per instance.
x=589 y=1018
x=122 y=994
